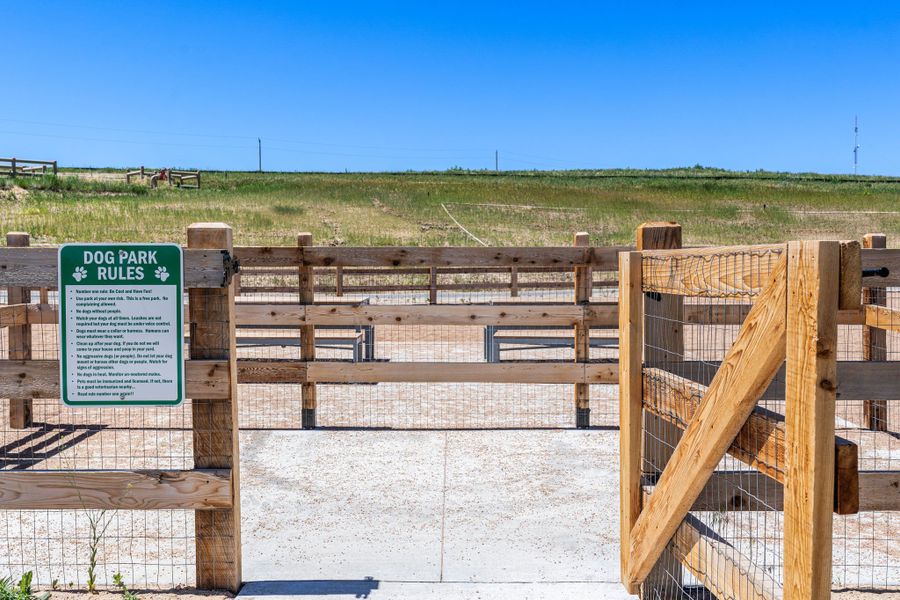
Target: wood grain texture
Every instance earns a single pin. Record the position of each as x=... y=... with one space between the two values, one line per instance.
x=718 y=272
x=36 y=267
x=414 y=256
x=583 y=279
x=880 y=317
x=202 y=489
x=307 y=295
x=813 y=287
x=19 y=341
x=215 y=422
x=206 y=379
x=879 y=491
x=850 y=280
x=631 y=339
x=747 y=370
x=258 y=370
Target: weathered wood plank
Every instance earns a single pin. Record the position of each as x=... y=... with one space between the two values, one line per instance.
x=307 y=295
x=718 y=272
x=747 y=370
x=36 y=267
x=850 y=280
x=19 y=341
x=259 y=370
x=28 y=314
x=414 y=256
x=631 y=339
x=583 y=279
x=419 y=372
x=879 y=491
x=201 y=489
x=215 y=423
x=811 y=342
x=875 y=258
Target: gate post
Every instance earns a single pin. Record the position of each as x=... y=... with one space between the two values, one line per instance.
x=20 y=409
x=582 y=333
x=663 y=345
x=215 y=422
x=875 y=415
x=307 y=334
x=810 y=386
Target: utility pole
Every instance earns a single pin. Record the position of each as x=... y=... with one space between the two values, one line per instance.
x=259 y=151
x=855 y=143
x=497 y=161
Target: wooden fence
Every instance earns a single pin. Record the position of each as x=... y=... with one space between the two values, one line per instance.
x=20 y=167
x=211 y=487
x=178 y=178
x=681 y=421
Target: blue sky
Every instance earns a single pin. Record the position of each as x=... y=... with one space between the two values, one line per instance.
x=432 y=85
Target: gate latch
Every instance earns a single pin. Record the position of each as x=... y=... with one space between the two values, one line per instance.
x=230 y=266
x=879 y=272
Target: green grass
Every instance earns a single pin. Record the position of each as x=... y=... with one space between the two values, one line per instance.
x=523 y=208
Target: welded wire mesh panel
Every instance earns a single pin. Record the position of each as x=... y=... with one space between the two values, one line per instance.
x=693 y=316
x=149 y=548
x=424 y=405
x=867 y=545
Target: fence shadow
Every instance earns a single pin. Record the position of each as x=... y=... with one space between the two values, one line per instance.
x=357 y=588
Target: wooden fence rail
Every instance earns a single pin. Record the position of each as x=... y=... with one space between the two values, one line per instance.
x=18 y=167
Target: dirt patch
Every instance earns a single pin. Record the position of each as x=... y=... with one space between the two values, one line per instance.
x=177 y=593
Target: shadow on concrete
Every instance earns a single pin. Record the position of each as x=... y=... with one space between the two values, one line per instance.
x=356 y=588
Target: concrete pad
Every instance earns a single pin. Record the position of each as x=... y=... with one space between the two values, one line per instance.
x=393 y=590
x=532 y=506
x=341 y=504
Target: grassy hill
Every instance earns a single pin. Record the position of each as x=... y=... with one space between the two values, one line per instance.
x=714 y=206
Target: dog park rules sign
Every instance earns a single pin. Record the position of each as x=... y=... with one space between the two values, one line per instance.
x=121 y=332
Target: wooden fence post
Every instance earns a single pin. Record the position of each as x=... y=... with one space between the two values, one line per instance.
x=582 y=333
x=339 y=281
x=513 y=281
x=215 y=422
x=307 y=336
x=14 y=167
x=631 y=340
x=810 y=383
x=663 y=345
x=20 y=409
x=55 y=169
x=432 y=286
x=875 y=415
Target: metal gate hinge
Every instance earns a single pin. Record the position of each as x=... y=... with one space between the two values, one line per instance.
x=230 y=266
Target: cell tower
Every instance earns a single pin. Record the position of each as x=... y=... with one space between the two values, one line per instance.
x=855 y=143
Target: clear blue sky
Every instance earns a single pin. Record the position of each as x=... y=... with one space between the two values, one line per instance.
x=431 y=85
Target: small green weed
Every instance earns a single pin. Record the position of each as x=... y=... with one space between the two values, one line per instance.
x=20 y=591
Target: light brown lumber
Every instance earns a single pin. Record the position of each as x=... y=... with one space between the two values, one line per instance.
x=631 y=339
x=28 y=314
x=718 y=272
x=663 y=346
x=734 y=314
x=876 y=258
x=747 y=370
x=882 y=317
x=460 y=372
x=307 y=295
x=811 y=342
x=477 y=315
x=36 y=267
x=582 y=334
x=201 y=489
x=269 y=314
x=259 y=370
x=19 y=341
x=215 y=422
x=40 y=379
x=875 y=412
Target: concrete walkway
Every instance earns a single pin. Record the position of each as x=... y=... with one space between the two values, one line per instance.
x=399 y=514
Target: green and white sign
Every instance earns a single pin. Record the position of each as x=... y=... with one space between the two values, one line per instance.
x=120 y=324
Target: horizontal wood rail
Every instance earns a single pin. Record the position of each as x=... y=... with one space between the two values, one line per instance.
x=882 y=317
x=36 y=267
x=601 y=258
x=298 y=371
x=207 y=379
x=201 y=489
x=760 y=443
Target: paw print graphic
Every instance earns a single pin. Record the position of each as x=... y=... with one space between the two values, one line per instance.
x=79 y=274
x=161 y=273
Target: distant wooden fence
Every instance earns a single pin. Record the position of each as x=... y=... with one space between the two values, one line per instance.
x=679 y=419
x=20 y=167
x=178 y=178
